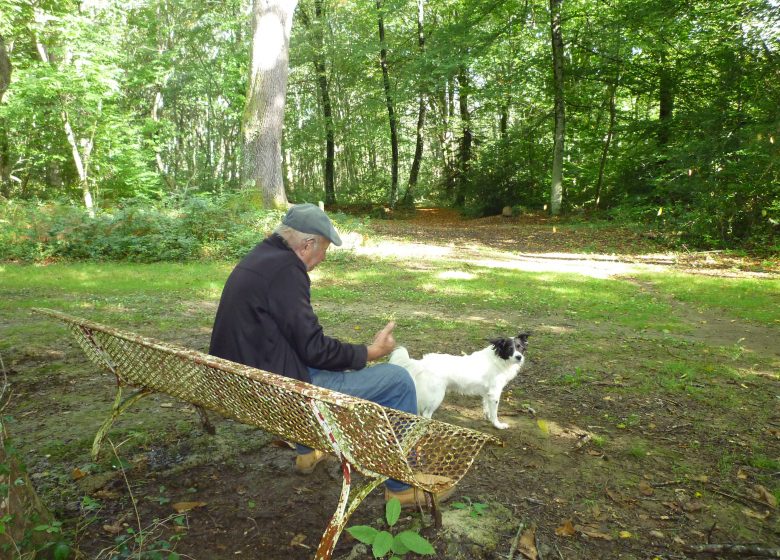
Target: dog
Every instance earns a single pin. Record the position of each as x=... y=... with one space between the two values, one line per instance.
x=484 y=373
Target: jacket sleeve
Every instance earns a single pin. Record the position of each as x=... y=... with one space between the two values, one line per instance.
x=289 y=303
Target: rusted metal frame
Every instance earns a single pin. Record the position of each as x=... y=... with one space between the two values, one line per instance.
x=346 y=507
x=116 y=411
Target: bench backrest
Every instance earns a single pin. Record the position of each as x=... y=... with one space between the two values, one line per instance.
x=375 y=439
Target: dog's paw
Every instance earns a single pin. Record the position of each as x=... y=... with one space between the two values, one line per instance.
x=501 y=425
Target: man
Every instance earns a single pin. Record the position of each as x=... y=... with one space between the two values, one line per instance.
x=265 y=320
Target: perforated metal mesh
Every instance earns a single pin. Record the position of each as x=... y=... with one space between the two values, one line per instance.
x=375 y=439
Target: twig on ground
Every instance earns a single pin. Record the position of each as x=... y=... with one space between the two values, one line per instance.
x=747 y=500
x=742 y=549
x=515 y=541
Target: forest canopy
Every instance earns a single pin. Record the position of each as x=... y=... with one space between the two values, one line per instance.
x=663 y=110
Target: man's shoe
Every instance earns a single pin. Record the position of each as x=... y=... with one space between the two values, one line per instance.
x=415 y=497
x=304 y=464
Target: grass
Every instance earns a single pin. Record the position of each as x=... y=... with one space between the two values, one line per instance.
x=752 y=299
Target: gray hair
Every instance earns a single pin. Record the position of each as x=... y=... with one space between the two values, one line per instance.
x=296 y=239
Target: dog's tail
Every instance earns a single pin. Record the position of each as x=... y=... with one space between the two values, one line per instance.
x=400 y=357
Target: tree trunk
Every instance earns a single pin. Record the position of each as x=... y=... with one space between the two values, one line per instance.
x=161 y=167
x=5 y=156
x=389 y=102
x=467 y=138
x=263 y=118
x=607 y=140
x=327 y=107
x=418 y=149
x=665 y=102
x=556 y=189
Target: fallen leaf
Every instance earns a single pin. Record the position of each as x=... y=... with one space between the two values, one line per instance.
x=625 y=534
x=615 y=496
x=742 y=475
x=756 y=515
x=527 y=544
x=166 y=405
x=544 y=426
x=114 y=529
x=765 y=496
x=77 y=474
x=566 y=529
x=592 y=533
x=646 y=489
x=298 y=539
x=692 y=506
x=657 y=534
x=181 y=507
x=700 y=477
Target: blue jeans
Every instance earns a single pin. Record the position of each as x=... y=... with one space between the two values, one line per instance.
x=385 y=384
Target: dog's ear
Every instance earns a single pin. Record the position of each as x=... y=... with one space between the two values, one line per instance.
x=502 y=347
x=523 y=336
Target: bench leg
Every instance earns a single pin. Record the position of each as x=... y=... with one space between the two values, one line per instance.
x=116 y=411
x=344 y=510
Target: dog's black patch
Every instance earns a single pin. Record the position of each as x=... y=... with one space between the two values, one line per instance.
x=503 y=347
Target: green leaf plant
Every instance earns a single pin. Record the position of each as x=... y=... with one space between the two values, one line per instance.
x=384 y=543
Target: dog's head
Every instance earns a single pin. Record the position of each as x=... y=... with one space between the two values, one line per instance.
x=511 y=348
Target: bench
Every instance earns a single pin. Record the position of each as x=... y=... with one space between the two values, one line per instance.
x=377 y=442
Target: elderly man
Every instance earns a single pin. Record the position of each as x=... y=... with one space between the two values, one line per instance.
x=265 y=320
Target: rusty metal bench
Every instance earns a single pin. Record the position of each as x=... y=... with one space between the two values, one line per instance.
x=376 y=441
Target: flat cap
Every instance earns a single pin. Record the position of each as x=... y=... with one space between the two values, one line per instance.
x=308 y=218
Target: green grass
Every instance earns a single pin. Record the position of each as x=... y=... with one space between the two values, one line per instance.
x=753 y=299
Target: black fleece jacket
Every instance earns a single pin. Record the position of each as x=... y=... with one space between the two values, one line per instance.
x=265 y=318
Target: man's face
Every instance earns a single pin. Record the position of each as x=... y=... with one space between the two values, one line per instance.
x=313 y=252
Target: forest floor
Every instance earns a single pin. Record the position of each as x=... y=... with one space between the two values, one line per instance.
x=589 y=469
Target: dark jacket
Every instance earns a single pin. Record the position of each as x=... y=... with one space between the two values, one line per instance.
x=265 y=318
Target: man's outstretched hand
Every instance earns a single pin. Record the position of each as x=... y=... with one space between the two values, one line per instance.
x=384 y=343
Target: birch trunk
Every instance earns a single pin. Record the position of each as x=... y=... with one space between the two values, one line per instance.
x=556 y=189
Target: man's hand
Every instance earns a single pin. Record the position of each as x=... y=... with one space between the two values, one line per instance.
x=384 y=343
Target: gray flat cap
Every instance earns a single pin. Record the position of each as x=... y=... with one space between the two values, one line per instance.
x=308 y=218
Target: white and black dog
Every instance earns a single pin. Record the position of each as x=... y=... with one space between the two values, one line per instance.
x=484 y=373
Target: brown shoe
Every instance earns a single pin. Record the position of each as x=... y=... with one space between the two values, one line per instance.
x=415 y=497
x=304 y=464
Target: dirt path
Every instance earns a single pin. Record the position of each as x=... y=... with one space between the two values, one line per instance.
x=615 y=450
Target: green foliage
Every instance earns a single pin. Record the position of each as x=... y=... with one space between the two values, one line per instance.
x=475 y=509
x=384 y=542
x=140 y=229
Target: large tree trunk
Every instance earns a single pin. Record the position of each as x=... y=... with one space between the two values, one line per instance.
x=263 y=118
x=389 y=102
x=418 y=149
x=5 y=157
x=556 y=188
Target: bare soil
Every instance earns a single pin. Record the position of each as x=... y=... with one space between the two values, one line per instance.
x=589 y=468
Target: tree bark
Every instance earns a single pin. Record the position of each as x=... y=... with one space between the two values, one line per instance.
x=420 y=141
x=665 y=101
x=327 y=106
x=161 y=167
x=79 y=160
x=607 y=140
x=467 y=138
x=5 y=81
x=263 y=118
x=389 y=103
x=556 y=188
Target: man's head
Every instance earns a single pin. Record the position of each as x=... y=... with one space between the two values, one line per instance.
x=309 y=218
x=308 y=232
